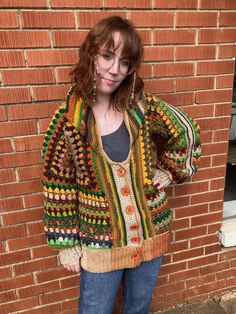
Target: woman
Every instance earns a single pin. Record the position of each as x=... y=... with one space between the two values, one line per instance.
x=108 y=153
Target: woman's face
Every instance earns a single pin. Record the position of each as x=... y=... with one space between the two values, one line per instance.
x=111 y=67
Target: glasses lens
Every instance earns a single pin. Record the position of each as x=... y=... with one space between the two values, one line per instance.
x=105 y=60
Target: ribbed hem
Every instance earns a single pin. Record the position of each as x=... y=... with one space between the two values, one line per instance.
x=104 y=260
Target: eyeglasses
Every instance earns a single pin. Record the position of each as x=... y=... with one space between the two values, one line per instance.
x=106 y=60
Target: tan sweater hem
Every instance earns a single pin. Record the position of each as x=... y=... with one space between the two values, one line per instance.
x=105 y=260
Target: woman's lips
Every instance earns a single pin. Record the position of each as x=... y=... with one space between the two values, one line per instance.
x=109 y=81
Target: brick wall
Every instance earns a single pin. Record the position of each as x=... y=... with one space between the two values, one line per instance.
x=189 y=50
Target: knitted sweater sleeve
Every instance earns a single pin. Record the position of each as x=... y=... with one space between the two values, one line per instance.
x=59 y=184
x=177 y=138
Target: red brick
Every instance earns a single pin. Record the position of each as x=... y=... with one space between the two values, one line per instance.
x=43 y=125
x=173 y=69
x=26 y=242
x=49 y=309
x=127 y=4
x=211 y=173
x=196 y=19
x=180 y=99
x=231 y=282
x=57 y=92
x=214 y=228
x=24 y=39
x=35 y=265
x=191 y=211
x=7 y=175
x=178 y=36
x=159 y=86
x=219 y=160
x=43 y=251
x=11 y=204
x=227 y=19
x=190 y=233
x=145 y=70
x=68 y=38
x=16 y=306
x=183 y=275
x=20 y=159
x=5 y=146
x=22 y=216
x=57 y=296
x=206 y=219
x=8 y=296
x=214 y=124
x=195 y=52
x=171 y=288
x=63 y=74
x=13 y=258
x=47 y=19
x=214 y=148
x=19 y=188
x=89 y=19
x=29 y=111
x=52 y=274
x=158 y=53
x=7 y=233
x=34 y=200
x=178 y=246
x=146 y=36
x=72 y=304
x=205 y=260
x=213 y=96
x=5 y=272
x=194 y=83
x=187 y=254
x=3 y=115
x=214 y=268
x=225 y=81
x=38 y=289
x=221 y=135
x=52 y=57
x=180 y=224
x=36 y=227
x=28 y=76
x=28 y=173
x=199 y=281
x=216 y=206
x=227 y=51
x=23 y=3
x=8 y=19
x=69 y=282
x=18 y=128
x=227 y=255
x=16 y=282
x=205 y=162
x=173 y=267
x=215 y=67
x=11 y=59
x=217 y=35
x=155 y=19
x=28 y=143
x=76 y=4
x=217 y=184
x=191 y=188
x=179 y=201
x=213 y=248
x=14 y=95
x=206 y=137
x=207 y=197
x=217 y=4
x=175 y=4
x=200 y=111
x=205 y=240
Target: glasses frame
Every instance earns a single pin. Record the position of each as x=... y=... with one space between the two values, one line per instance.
x=114 y=59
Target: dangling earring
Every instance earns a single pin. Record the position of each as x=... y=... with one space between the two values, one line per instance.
x=94 y=84
x=133 y=87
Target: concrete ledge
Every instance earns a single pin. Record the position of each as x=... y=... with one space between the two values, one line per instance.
x=227 y=233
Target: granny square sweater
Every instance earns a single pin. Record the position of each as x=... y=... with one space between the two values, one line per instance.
x=112 y=211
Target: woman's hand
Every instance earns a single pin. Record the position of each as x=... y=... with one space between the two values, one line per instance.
x=73 y=267
x=157 y=182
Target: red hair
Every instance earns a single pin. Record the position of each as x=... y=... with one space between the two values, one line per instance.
x=102 y=35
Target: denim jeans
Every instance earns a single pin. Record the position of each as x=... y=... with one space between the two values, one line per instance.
x=98 y=291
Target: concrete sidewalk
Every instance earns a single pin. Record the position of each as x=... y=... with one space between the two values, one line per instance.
x=225 y=304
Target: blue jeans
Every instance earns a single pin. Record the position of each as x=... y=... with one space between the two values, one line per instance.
x=98 y=291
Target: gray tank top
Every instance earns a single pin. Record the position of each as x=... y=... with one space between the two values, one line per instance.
x=117 y=144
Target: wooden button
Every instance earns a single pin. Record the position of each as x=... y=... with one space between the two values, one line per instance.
x=135 y=239
x=125 y=191
x=121 y=172
x=135 y=255
x=129 y=209
x=134 y=227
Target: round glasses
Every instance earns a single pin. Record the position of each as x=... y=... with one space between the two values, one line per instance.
x=106 y=60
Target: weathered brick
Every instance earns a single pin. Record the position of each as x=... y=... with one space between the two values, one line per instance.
x=173 y=69
x=195 y=52
x=89 y=19
x=24 y=39
x=11 y=58
x=8 y=19
x=178 y=36
x=32 y=111
x=18 y=128
x=158 y=53
x=155 y=19
x=216 y=35
x=197 y=19
x=76 y=4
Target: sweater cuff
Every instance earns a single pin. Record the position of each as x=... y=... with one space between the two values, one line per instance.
x=164 y=176
x=70 y=255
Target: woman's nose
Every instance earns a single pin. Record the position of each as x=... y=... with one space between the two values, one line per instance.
x=115 y=67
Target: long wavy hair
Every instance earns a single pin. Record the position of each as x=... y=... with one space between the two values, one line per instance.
x=102 y=35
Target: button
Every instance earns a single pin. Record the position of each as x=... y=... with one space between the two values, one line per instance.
x=135 y=239
x=129 y=209
x=125 y=191
x=135 y=255
x=134 y=227
x=121 y=172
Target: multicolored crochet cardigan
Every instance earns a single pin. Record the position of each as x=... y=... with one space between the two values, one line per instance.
x=113 y=210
